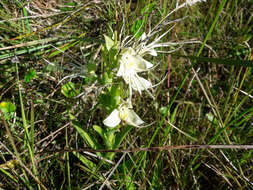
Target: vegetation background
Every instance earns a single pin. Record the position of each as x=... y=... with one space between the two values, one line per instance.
x=47 y=122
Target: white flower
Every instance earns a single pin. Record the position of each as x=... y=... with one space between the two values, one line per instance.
x=192 y=2
x=130 y=64
x=123 y=113
x=130 y=61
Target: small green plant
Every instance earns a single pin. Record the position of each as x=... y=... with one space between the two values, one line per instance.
x=30 y=75
x=8 y=109
x=69 y=90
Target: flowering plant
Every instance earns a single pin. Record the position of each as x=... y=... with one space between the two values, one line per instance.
x=127 y=58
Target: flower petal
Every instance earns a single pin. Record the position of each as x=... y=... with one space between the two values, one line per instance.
x=152 y=52
x=139 y=83
x=132 y=118
x=113 y=119
x=121 y=70
x=143 y=36
x=141 y=64
x=192 y=2
x=148 y=64
x=148 y=50
x=134 y=63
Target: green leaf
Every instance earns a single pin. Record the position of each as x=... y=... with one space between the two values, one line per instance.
x=92 y=67
x=100 y=131
x=85 y=161
x=70 y=6
x=129 y=185
x=109 y=43
x=69 y=90
x=163 y=110
x=68 y=45
x=114 y=141
x=52 y=67
x=135 y=28
x=7 y=107
x=105 y=100
x=173 y=115
x=121 y=136
x=115 y=95
x=87 y=138
x=148 y=8
x=111 y=99
x=107 y=79
x=108 y=136
x=71 y=116
x=30 y=75
x=246 y=156
x=211 y=118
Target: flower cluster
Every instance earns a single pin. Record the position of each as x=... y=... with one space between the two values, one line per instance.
x=132 y=63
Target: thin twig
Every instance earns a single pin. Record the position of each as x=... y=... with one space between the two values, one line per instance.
x=34 y=16
x=153 y=149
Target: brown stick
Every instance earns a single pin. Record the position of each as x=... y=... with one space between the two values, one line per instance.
x=153 y=149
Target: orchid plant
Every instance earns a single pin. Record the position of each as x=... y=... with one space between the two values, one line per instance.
x=124 y=68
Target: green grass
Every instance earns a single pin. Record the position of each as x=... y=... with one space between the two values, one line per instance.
x=49 y=140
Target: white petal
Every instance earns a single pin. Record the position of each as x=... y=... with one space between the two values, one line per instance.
x=148 y=64
x=148 y=50
x=152 y=52
x=141 y=64
x=140 y=84
x=133 y=118
x=131 y=62
x=121 y=70
x=192 y=2
x=113 y=119
x=143 y=36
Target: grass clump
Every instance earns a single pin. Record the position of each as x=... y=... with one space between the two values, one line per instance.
x=126 y=95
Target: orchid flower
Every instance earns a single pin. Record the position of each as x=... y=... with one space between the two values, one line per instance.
x=123 y=113
x=132 y=61
x=130 y=64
